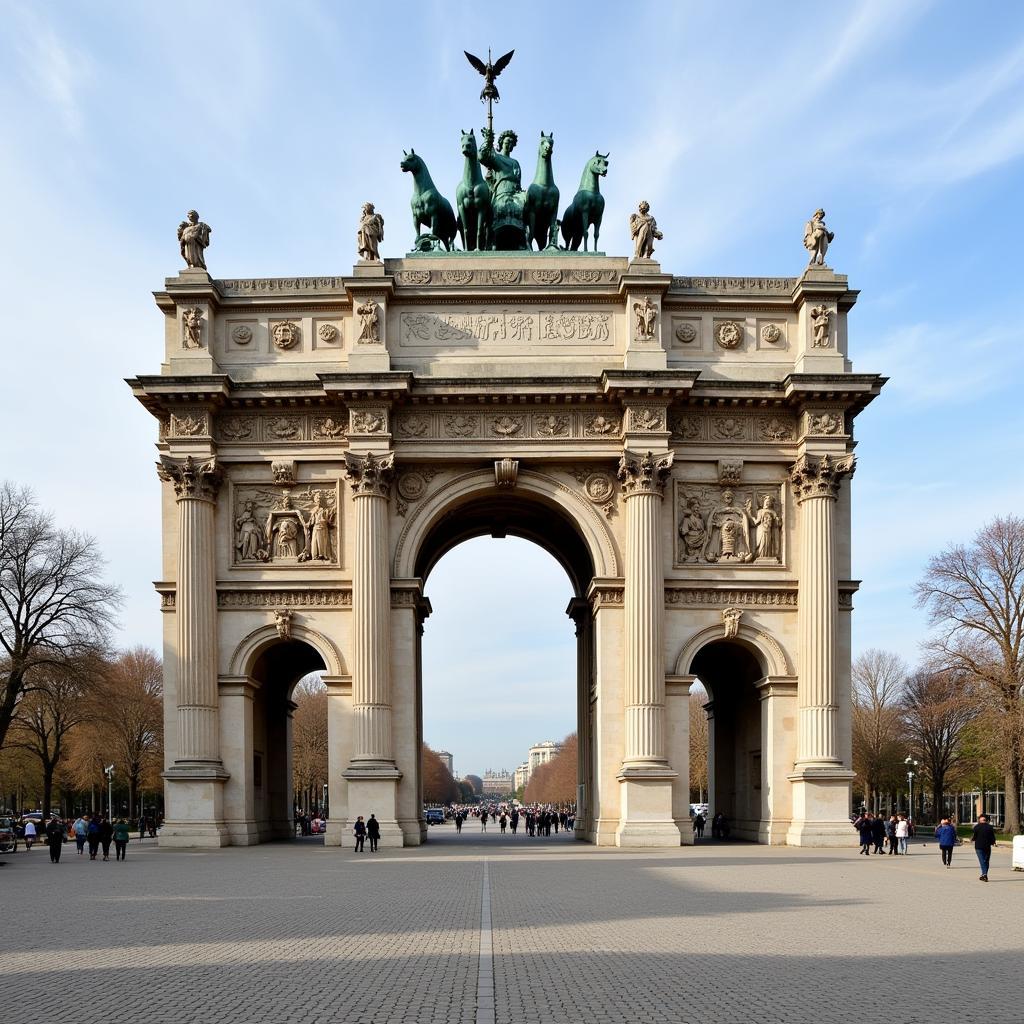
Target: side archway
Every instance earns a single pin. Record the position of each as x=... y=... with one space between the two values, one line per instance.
x=768 y=650
x=249 y=649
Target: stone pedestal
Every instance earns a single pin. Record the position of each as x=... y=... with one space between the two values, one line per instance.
x=820 y=781
x=195 y=815
x=646 y=779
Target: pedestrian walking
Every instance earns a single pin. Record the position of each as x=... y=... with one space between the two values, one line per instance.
x=699 y=821
x=373 y=833
x=81 y=828
x=890 y=835
x=93 y=838
x=984 y=840
x=30 y=833
x=360 y=833
x=878 y=833
x=459 y=819
x=483 y=821
x=106 y=836
x=865 y=828
x=513 y=821
x=122 y=833
x=945 y=836
x=503 y=822
x=902 y=832
x=55 y=839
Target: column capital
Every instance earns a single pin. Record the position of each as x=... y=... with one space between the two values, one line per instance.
x=191 y=479
x=370 y=474
x=644 y=475
x=819 y=476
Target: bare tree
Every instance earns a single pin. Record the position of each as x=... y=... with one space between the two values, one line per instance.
x=698 y=743
x=309 y=739
x=878 y=679
x=53 y=706
x=54 y=605
x=937 y=708
x=974 y=595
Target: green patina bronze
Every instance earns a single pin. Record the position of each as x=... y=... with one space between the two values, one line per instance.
x=473 y=199
x=429 y=207
x=542 y=199
x=587 y=207
x=508 y=200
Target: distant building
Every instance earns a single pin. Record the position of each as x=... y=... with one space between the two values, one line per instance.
x=522 y=775
x=541 y=753
x=497 y=783
x=449 y=761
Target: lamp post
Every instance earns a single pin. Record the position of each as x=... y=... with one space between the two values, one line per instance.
x=911 y=767
x=109 y=772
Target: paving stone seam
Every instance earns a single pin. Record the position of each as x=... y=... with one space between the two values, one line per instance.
x=485 y=966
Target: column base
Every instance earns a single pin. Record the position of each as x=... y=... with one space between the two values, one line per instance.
x=821 y=807
x=646 y=802
x=243 y=833
x=374 y=790
x=337 y=831
x=195 y=806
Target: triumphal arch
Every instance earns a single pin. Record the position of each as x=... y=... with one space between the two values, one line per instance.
x=682 y=445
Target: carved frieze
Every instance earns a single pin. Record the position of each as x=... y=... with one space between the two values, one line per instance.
x=602 y=426
x=299 y=597
x=285 y=334
x=686 y=332
x=283 y=428
x=241 y=334
x=823 y=422
x=513 y=424
x=547 y=277
x=505 y=327
x=769 y=285
x=751 y=597
x=771 y=334
x=368 y=421
x=551 y=425
x=328 y=334
x=286 y=527
x=189 y=424
x=646 y=418
x=414 y=277
x=733 y=427
x=236 y=428
x=729 y=524
x=599 y=487
x=280 y=285
x=327 y=428
x=607 y=596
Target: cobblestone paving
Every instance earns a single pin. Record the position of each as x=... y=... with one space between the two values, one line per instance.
x=717 y=934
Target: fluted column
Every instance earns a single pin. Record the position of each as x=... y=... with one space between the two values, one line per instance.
x=815 y=481
x=370 y=477
x=643 y=486
x=195 y=486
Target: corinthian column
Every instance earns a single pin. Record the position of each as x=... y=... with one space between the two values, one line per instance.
x=816 y=483
x=370 y=477
x=643 y=486
x=195 y=486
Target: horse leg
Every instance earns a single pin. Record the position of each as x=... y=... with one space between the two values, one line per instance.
x=597 y=231
x=462 y=230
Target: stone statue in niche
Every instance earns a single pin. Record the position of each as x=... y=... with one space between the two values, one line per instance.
x=723 y=526
x=249 y=542
x=193 y=237
x=369 y=322
x=192 y=328
x=820 y=316
x=692 y=531
x=767 y=525
x=643 y=229
x=319 y=524
x=371 y=233
x=646 y=316
x=817 y=238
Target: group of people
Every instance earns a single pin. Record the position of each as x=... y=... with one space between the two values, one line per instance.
x=363 y=830
x=876 y=831
x=537 y=820
x=719 y=826
x=97 y=832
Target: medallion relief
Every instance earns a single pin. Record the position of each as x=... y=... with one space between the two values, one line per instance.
x=729 y=334
x=285 y=334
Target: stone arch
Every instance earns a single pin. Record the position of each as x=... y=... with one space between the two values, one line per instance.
x=261 y=639
x=580 y=512
x=770 y=652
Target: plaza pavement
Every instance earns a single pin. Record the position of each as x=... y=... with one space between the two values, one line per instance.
x=719 y=933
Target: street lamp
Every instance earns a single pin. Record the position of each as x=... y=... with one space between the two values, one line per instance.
x=911 y=766
x=109 y=772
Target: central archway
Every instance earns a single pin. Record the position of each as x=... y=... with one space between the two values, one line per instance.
x=539 y=509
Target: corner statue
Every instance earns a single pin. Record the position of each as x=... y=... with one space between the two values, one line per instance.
x=370 y=234
x=643 y=229
x=194 y=237
x=817 y=237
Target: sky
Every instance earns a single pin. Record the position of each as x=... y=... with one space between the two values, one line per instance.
x=904 y=121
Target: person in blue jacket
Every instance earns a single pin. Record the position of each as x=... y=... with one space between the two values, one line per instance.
x=945 y=836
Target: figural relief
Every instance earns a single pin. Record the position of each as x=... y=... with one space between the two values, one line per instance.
x=284 y=527
x=728 y=525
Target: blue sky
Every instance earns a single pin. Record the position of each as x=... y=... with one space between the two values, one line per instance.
x=905 y=121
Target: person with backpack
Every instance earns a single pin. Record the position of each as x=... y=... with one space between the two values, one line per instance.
x=122 y=833
x=945 y=836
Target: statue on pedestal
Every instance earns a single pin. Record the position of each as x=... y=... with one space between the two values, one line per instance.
x=817 y=238
x=194 y=237
x=370 y=234
x=508 y=200
x=643 y=229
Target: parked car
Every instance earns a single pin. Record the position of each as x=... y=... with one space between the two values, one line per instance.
x=8 y=836
x=434 y=816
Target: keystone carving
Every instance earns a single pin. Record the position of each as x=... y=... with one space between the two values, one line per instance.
x=731 y=621
x=283 y=621
x=506 y=472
